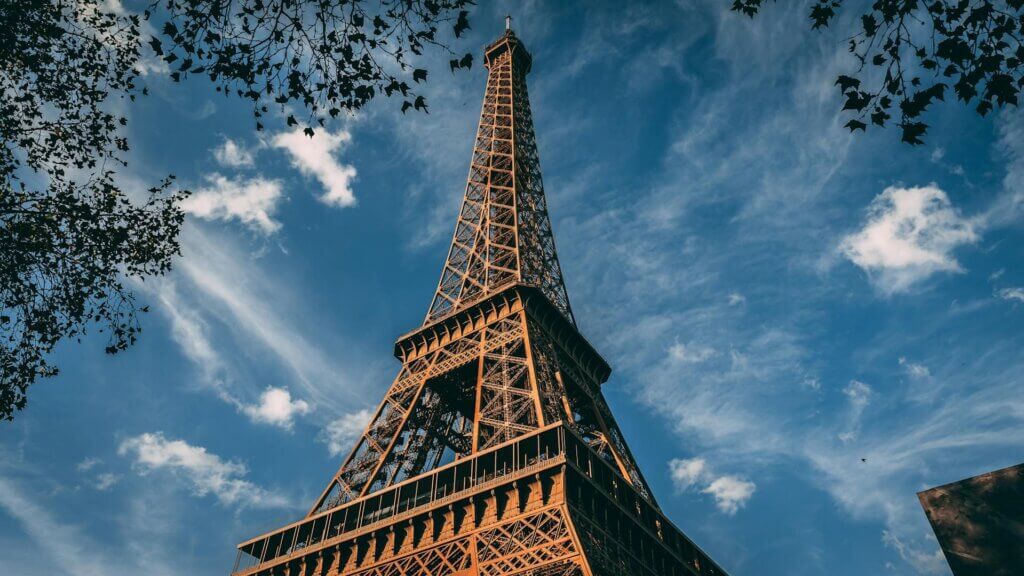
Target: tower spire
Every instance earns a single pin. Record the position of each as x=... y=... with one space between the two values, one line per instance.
x=508 y=23
x=503 y=235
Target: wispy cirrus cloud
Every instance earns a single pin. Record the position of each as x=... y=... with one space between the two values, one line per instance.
x=88 y=464
x=228 y=287
x=858 y=395
x=223 y=309
x=1011 y=294
x=68 y=547
x=727 y=212
x=692 y=353
x=914 y=370
x=341 y=434
x=204 y=472
x=102 y=481
x=251 y=201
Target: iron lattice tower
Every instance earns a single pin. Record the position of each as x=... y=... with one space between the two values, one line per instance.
x=494 y=451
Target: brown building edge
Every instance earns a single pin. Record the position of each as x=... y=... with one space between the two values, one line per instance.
x=979 y=522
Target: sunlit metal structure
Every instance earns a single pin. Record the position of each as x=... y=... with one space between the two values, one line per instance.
x=494 y=451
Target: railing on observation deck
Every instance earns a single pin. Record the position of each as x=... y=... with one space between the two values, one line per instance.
x=537 y=449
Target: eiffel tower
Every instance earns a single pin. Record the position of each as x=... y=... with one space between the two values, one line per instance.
x=494 y=451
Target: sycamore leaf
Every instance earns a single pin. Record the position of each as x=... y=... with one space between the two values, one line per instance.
x=856 y=125
x=912 y=132
x=461 y=23
x=846 y=82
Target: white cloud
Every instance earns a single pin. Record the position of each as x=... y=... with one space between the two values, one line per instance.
x=206 y=473
x=313 y=156
x=105 y=481
x=686 y=473
x=689 y=353
x=233 y=155
x=924 y=562
x=340 y=435
x=915 y=370
x=250 y=201
x=735 y=299
x=222 y=288
x=88 y=464
x=1006 y=210
x=1012 y=294
x=858 y=396
x=858 y=393
x=720 y=401
x=218 y=291
x=189 y=331
x=910 y=234
x=731 y=493
x=277 y=408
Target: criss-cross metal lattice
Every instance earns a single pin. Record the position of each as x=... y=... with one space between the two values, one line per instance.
x=494 y=451
x=490 y=385
x=503 y=234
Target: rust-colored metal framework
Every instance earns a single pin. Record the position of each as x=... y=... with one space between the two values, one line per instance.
x=494 y=451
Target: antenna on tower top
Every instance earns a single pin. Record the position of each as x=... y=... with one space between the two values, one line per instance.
x=508 y=22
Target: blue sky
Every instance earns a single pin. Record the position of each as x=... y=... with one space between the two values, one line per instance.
x=779 y=300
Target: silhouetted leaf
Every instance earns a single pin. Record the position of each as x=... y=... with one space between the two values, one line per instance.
x=846 y=82
x=462 y=23
x=912 y=132
x=869 y=24
x=856 y=100
x=976 y=44
x=856 y=125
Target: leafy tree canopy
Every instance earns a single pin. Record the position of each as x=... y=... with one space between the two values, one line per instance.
x=911 y=52
x=70 y=236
